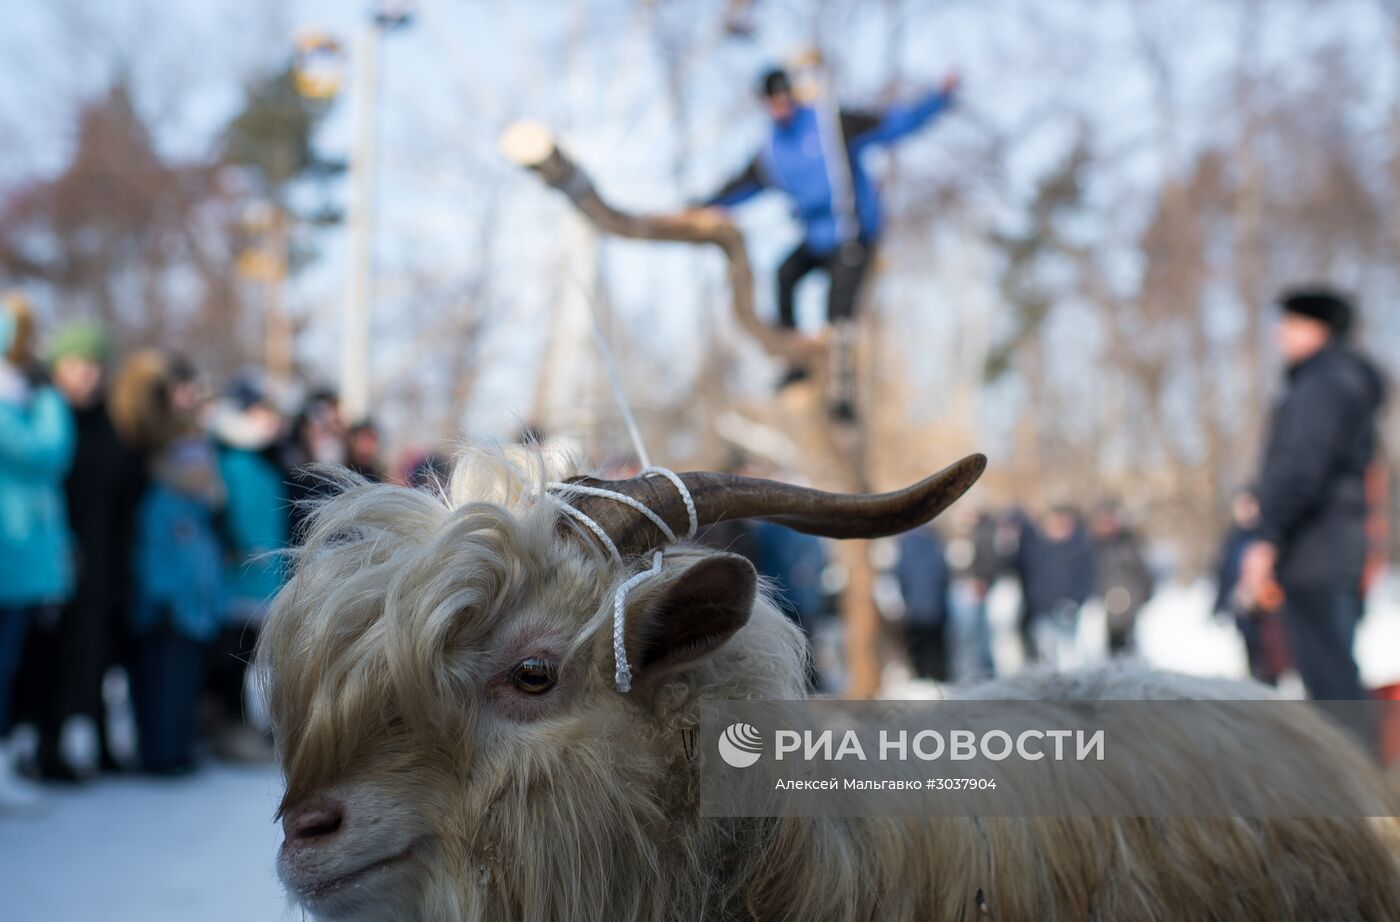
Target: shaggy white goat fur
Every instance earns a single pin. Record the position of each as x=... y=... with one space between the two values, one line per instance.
x=387 y=658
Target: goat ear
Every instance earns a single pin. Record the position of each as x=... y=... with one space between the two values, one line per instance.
x=692 y=615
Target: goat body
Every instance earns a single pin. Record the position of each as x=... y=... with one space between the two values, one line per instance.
x=439 y=672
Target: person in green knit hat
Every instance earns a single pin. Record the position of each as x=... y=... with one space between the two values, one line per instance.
x=69 y=657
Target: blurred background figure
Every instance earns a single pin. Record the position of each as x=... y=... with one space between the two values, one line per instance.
x=36 y=568
x=793 y=563
x=247 y=428
x=1059 y=576
x=177 y=611
x=318 y=437
x=156 y=399
x=363 y=453
x=974 y=564
x=428 y=470
x=1007 y=609
x=1259 y=623
x=1125 y=580
x=922 y=571
x=1312 y=491
x=68 y=661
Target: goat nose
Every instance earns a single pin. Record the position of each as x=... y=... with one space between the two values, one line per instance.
x=309 y=824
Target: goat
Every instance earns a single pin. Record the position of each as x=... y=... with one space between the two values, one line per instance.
x=440 y=676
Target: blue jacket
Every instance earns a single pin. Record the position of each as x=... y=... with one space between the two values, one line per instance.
x=177 y=562
x=1055 y=573
x=794 y=563
x=257 y=521
x=922 y=571
x=36 y=447
x=834 y=203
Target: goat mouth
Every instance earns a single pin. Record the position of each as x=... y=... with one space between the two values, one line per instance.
x=322 y=891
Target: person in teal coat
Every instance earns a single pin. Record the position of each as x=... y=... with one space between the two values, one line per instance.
x=36 y=447
x=256 y=524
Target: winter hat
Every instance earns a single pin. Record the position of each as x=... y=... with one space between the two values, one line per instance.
x=245 y=390
x=1320 y=303
x=775 y=82
x=190 y=466
x=81 y=339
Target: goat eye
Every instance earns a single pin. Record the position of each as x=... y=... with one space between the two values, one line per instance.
x=534 y=676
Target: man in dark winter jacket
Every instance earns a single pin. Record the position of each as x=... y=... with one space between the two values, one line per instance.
x=1312 y=495
x=1058 y=576
x=922 y=571
x=813 y=155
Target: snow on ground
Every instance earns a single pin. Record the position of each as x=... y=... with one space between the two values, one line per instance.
x=197 y=849
x=201 y=849
x=1177 y=632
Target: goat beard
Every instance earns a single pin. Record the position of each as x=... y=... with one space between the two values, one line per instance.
x=586 y=832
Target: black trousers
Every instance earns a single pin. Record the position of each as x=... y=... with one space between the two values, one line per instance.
x=927 y=652
x=1321 y=626
x=167 y=671
x=845 y=266
x=227 y=673
x=65 y=663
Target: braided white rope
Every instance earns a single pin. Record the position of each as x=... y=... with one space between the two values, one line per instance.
x=622 y=669
x=682 y=490
x=623 y=498
x=587 y=520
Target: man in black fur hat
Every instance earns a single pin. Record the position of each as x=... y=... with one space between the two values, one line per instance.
x=1312 y=490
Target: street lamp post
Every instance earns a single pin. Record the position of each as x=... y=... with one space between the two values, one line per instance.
x=354 y=369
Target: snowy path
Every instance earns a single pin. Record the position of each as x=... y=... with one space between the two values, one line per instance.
x=201 y=849
x=130 y=850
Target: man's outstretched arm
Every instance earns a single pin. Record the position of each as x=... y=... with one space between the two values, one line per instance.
x=739 y=189
x=900 y=121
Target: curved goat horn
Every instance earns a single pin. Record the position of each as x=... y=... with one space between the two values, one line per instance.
x=727 y=497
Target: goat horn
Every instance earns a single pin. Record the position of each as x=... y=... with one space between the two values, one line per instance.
x=728 y=497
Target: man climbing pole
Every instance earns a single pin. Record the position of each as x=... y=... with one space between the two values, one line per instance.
x=833 y=197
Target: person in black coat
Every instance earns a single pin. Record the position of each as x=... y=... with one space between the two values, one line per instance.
x=1058 y=576
x=103 y=486
x=923 y=575
x=1312 y=492
x=317 y=437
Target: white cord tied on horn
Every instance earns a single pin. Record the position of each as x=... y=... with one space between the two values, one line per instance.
x=686 y=498
x=622 y=669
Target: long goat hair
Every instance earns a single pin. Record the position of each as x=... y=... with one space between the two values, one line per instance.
x=384 y=659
